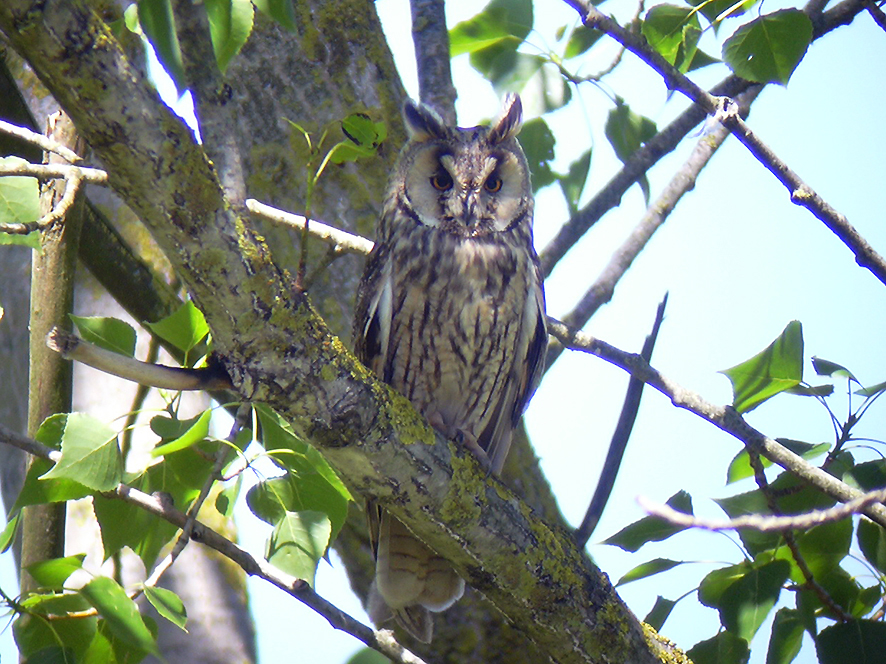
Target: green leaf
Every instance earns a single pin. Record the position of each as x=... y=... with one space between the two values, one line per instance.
x=648 y=569
x=363 y=137
x=272 y=499
x=859 y=642
x=824 y=547
x=291 y=453
x=673 y=31
x=769 y=48
x=777 y=368
x=787 y=637
x=506 y=68
x=872 y=390
x=660 y=612
x=298 y=542
x=827 y=368
x=745 y=604
x=581 y=39
x=725 y=648
x=715 y=583
x=811 y=390
x=7 y=536
x=740 y=467
x=499 y=20
x=721 y=9
x=106 y=648
x=279 y=10
x=111 y=334
x=19 y=204
x=52 y=574
x=650 y=528
x=368 y=656
x=37 y=638
x=184 y=328
x=181 y=476
x=90 y=454
x=872 y=542
x=120 y=613
x=537 y=141
x=627 y=131
x=155 y=19
x=196 y=433
x=573 y=183
x=168 y=605
x=868 y=476
x=230 y=22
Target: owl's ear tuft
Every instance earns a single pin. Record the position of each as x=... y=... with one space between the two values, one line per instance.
x=422 y=122
x=509 y=120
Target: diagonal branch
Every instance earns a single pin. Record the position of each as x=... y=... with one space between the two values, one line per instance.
x=725 y=110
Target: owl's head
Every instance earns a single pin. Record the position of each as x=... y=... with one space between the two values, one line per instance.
x=469 y=182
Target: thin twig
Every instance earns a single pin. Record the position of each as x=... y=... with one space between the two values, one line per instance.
x=381 y=640
x=73 y=347
x=58 y=212
x=55 y=171
x=876 y=13
x=725 y=110
x=342 y=240
x=45 y=143
x=432 y=57
x=620 y=438
x=765 y=523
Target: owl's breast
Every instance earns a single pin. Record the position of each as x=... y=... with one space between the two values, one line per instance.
x=455 y=325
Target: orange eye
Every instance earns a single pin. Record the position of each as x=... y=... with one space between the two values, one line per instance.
x=493 y=184
x=441 y=181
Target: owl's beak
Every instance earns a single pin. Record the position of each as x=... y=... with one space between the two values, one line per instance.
x=470 y=203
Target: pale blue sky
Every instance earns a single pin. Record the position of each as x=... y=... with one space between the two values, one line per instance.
x=739 y=260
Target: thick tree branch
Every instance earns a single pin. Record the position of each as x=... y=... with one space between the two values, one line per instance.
x=725 y=110
x=278 y=351
x=432 y=57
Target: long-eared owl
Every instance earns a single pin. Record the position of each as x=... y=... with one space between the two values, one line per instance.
x=451 y=313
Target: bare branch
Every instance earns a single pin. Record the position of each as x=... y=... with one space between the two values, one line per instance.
x=56 y=171
x=619 y=441
x=43 y=142
x=876 y=13
x=72 y=347
x=725 y=110
x=432 y=57
x=724 y=418
x=341 y=240
x=765 y=523
x=56 y=214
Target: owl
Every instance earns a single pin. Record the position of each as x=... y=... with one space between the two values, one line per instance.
x=451 y=313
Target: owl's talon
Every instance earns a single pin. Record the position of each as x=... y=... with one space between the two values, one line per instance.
x=469 y=441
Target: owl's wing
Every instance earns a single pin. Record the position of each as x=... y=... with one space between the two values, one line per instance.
x=372 y=317
x=525 y=376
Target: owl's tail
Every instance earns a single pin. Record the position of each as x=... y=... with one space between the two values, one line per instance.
x=410 y=580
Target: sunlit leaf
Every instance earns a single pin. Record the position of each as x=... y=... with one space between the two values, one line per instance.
x=193 y=435
x=827 y=368
x=19 y=204
x=775 y=369
x=184 y=328
x=120 y=613
x=740 y=467
x=230 y=23
x=279 y=10
x=769 y=48
x=872 y=390
x=363 y=136
x=627 y=131
x=298 y=543
x=155 y=19
x=745 y=604
x=53 y=573
x=650 y=528
x=673 y=31
x=648 y=569
x=499 y=20
x=169 y=605
x=111 y=334
x=581 y=39
x=573 y=183
x=90 y=454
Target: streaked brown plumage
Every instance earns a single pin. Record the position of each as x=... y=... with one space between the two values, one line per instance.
x=450 y=312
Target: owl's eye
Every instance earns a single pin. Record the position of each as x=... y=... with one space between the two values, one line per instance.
x=441 y=181
x=492 y=184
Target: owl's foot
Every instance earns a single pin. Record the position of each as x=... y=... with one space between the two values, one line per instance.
x=462 y=438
